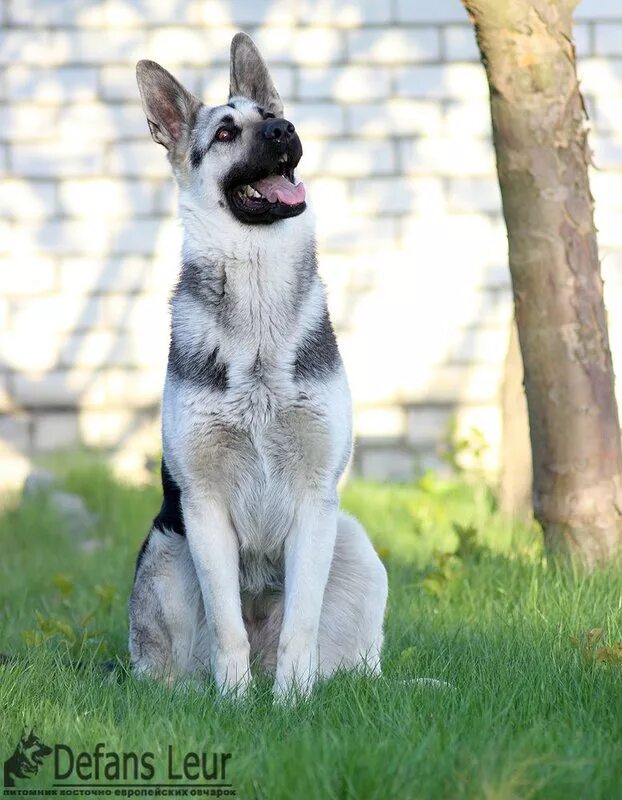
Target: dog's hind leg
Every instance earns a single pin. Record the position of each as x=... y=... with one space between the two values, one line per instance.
x=350 y=634
x=166 y=613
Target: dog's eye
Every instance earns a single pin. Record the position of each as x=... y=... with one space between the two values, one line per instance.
x=225 y=135
x=268 y=115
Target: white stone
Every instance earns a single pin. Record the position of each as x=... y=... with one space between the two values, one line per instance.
x=395 y=117
x=23 y=199
x=443 y=81
x=105 y=197
x=393 y=45
x=346 y=84
x=48 y=160
x=300 y=46
x=450 y=156
x=59 y=85
x=348 y=158
x=459 y=43
x=431 y=11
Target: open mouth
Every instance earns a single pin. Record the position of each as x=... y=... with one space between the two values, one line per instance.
x=270 y=197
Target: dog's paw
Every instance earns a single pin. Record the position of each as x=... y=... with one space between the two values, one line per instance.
x=232 y=675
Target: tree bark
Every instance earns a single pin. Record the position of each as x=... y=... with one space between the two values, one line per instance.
x=539 y=134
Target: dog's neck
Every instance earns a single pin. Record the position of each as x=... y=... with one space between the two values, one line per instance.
x=251 y=282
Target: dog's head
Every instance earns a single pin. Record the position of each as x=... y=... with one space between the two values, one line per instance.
x=241 y=155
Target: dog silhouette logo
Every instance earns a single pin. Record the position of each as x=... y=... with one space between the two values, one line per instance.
x=26 y=758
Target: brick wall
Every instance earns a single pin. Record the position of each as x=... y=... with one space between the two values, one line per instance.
x=392 y=106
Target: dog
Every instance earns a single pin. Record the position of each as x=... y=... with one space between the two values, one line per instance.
x=26 y=758
x=250 y=560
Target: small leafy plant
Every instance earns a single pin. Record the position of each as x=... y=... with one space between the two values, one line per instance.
x=77 y=633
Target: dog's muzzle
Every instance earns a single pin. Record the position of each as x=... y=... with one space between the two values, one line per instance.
x=265 y=191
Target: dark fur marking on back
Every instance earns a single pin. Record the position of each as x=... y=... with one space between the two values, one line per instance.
x=204 y=370
x=318 y=353
x=169 y=518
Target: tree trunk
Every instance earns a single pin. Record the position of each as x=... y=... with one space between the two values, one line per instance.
x=538 y=122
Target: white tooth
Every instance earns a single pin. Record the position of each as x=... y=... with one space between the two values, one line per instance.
x=249 y=191
x=256 y=193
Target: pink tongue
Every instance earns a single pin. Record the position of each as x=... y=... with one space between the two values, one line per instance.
x=277 y=187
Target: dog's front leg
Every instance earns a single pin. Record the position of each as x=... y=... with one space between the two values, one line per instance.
x=308 y=555
x=215 y=552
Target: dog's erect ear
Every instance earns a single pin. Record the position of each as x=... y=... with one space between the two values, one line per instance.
x=170 y=109
x=249 y=76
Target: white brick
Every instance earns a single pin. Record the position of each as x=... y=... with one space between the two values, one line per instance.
x=61 y=388
x=347 y=157
x=34 y=276
x=57 y=158
x=103 y=122
x=428 y=425
x=362 y=233
x=27 y=121
x=111 y=274
x=137 y=237
x=106 y=198
x=582 y=37
x=95 y=349
x=347 y=84
x=55 y=431
x=113 y=388
x=20 y=350
x=120 y=14
x=447 y=156
x=99 y=47
x=430 y=11
x=465 y=119
x=15 y=431
x=349 y=14
x=143 y=159
x=442 y=81
x=450 y=383
x=76 y=84
x=600 y=76
x=608 y=39
x=598 y=9
x=214 y=84
x=396 y=118
x=393 y=45
x=66 y=236
x=460 y=44
x=301 y=46
x=474 y=194
x=476 y=345
x=27 y=199
x=135 y=313
x=119 y=83
x=79 y=13
x=607 y=189
x=317 y=119
x=251 y=12
x=385 y=422
x=190 y=45
x=387 y=464
x=105 y=428
x=397 y=195
x=32 y=47
x=607 y=151
x=607 y=113
x=58 y=313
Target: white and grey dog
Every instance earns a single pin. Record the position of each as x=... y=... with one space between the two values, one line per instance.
x=250 y=559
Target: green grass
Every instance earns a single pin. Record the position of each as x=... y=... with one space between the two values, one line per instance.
x=530 y=715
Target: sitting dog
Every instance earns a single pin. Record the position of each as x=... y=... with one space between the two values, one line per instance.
x=250 y=559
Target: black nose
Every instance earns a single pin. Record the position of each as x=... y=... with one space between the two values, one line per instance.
x=280 y=130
